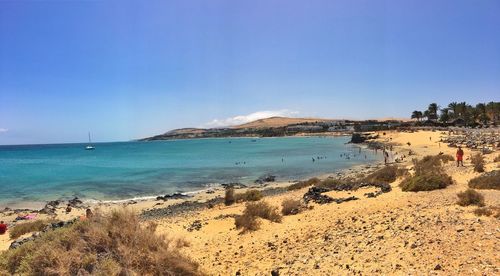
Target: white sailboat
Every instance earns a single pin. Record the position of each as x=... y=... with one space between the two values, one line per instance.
x=89 y=146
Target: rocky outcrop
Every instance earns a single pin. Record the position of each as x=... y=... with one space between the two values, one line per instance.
x=172 y=196
x=315 y=195
x=266 y=178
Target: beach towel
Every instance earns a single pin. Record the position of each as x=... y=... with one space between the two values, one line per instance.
x=30 y=216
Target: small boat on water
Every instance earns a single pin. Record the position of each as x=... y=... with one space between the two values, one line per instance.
x=89 y=146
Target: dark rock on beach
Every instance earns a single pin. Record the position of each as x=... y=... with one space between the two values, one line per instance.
x=173 y=196
x=181 y=208
x=54 y=203
x=195 y=225
x=358 y=138
x=266 y=178
x=234 y=185
x=75 y=202
x=315 y=194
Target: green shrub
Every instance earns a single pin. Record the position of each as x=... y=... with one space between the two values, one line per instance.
x=490 y=180
x=107 y=244
x=229 y=198
x=428 y=175
x=302 y=184
x=250 y=195
x=425 y=182
x=291 y=207
x=22 y=228
x=470 y=197
x=478 y=162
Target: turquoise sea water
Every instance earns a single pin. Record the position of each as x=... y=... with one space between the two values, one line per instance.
x=124 y=170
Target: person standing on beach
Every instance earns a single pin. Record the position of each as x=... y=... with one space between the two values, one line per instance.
x=3 y=228
x=460 y=157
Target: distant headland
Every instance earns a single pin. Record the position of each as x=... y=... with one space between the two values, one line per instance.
x=459 y=114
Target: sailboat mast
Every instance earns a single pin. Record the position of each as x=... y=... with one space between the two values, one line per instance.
x=89 y=138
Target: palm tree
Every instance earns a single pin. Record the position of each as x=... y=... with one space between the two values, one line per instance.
x=462 y=109
x=483 y=116
x=432 y=111
x=467 y=113
x=445 y=116
x=416 y=115
x=453 y=107
x=427 y=114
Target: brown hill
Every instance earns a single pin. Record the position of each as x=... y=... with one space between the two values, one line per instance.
x=278 y=122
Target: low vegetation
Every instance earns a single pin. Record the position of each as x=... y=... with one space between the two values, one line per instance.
x=334 y=184
x=426 y=182
x=303 y=184
x=107 y=244
x=229 y=198
x=431 y=163
x=477 y=161
x=490 y=180
x=250 y=195
x=291 y=206
x=488 y=211
x=27 y=227
x=428 y=174
x=470 y=197
x=497 y=158
x=386 y=174
x=253 y=210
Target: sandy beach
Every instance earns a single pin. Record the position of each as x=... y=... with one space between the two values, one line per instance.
x=395 y=233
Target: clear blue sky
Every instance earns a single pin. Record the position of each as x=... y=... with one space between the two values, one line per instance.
x=129 y=69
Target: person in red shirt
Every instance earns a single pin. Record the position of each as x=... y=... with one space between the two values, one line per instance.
x=3 y=228
x=460 y=157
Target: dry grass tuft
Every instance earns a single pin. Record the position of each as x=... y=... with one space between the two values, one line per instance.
x=387 y=174
x=107 y=244
x=247 y=223
x=497 y=158
x=302 y=184
x=488 y=211
x=431 y=163
x=478 y=162
x=27 y=227
x=490 y=180
x=229 y=198
x=336 y=184
x=291 y=206
x=253 y=210
x=250 y=195
x=470 y=197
